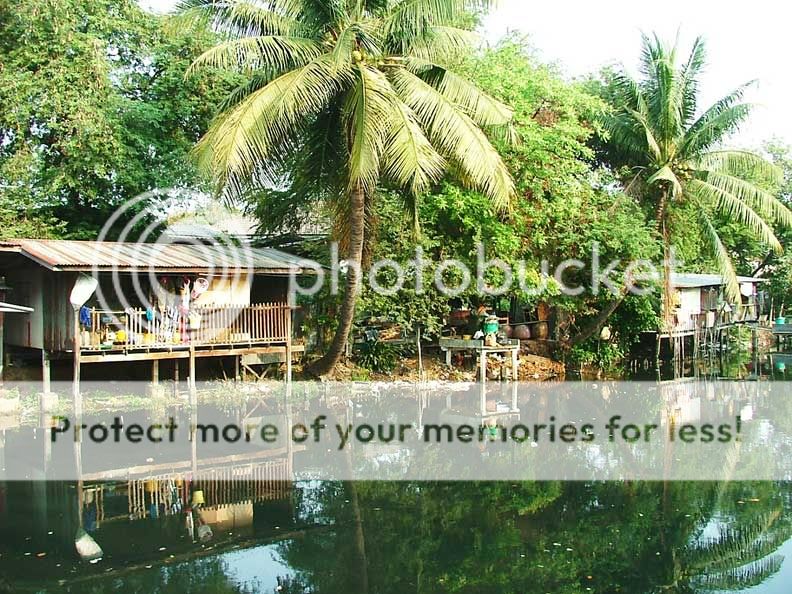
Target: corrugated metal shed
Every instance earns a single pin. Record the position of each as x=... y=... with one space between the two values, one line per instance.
x=693 y=281
x=131 y=257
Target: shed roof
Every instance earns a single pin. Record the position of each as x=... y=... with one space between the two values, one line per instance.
x=158 y=257
x=695 y=281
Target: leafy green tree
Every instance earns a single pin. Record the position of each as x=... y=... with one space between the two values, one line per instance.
x=671 y=158
x=94 y=110
x=341 y=97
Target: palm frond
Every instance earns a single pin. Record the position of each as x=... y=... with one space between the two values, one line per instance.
x=664 y=96
x=369 y=110
x=238 y=18
x=443 y=44
x=409 y=159
x=739 y=545
x=720 y=120
x=409 y=20
x=483 y=109
x=721 y=256
x=643 y=124
x=689 y=81
x=733 y=207
x=250 y=137
x=762 y=201
x=272 y=54
x=740 y=164
x=666 y=174
x=458 y=137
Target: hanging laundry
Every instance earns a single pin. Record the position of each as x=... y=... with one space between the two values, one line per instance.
x=85 y=317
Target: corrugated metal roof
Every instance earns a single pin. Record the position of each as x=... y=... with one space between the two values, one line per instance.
x=130 y=257
x=693 y=281
x=11 y=308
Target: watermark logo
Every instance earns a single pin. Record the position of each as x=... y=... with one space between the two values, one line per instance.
x=490 y=277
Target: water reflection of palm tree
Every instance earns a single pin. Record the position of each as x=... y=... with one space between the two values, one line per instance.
x=726 y=552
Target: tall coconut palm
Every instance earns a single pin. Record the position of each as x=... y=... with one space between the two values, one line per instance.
x=342 y=96
x=676 y=158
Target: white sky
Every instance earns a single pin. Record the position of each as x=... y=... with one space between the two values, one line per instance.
x=746 y=40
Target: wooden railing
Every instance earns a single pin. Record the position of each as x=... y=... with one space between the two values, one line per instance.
x=714 y=319
x=266 y=323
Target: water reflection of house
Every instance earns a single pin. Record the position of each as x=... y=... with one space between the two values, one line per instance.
x=227 y=493
x=161 y=301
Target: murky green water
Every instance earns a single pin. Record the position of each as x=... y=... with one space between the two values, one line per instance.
x=451 y=537
x=336 y=537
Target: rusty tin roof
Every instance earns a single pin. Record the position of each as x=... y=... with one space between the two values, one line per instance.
x=131 y=257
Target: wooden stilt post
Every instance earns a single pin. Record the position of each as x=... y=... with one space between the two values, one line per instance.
x=176 y=378
x=76 y=396
x=289 y=344
x=515 y=365
x=155 y=372
x=46 y=373
x=483 y=366
x=192 y=385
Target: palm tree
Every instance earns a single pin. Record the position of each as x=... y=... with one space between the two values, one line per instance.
x=342 y=96
x=675 y=158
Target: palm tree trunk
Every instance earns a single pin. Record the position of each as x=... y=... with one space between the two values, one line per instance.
x=668 y=311
x=662 y=225
x=347 y=313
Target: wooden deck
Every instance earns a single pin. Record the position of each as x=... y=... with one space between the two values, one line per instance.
x=140 y=330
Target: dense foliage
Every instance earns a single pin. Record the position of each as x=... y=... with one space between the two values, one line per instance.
x=94 y=110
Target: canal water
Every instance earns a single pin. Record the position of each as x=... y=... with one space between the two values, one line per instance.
x=340 y=537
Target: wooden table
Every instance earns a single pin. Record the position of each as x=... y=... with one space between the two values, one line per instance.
x=456 y=344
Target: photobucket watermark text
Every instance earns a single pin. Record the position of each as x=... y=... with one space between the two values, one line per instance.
x=492 y=277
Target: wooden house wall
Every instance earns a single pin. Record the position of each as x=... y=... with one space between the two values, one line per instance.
x=58 y=319
x=25 y=330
